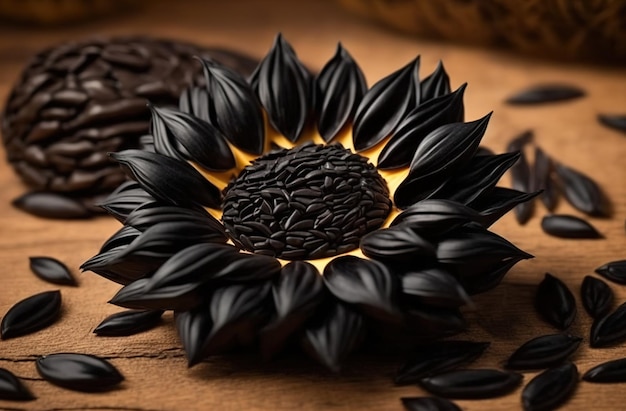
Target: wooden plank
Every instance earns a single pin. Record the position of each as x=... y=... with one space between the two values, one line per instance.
x=153 y=362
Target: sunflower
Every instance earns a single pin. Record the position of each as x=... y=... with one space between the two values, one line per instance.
x=255 y=212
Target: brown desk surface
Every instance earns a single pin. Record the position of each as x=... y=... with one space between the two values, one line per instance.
x=156 y=374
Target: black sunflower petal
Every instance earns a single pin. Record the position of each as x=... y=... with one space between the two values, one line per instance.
x=340 y=86
x=480 y=176
x=297 y=292
x=195 y=101
x=167 y=179
x=423 y=120
x=234 y=108
x=201 y=142
x=384 y=106
x=109 y=265
x=121 y=237
x=184 y=296
x=436 y=216
x=434 y=287
x=435 y=322
x=481 y=279
x=128 y=323
x=154 y=212
x=436 y=84
x=363 y=282
x=397 y=244
x=194 y=327
x=284 y=87
x=333 y=335
x=441 y=153
x=126 y=198
x=499 y=201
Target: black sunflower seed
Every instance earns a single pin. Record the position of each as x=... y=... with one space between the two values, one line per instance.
x=434 y=287
x=364 y=282
x=551 y=388
x=543 y=352
x=568 y=226
x=384 y=105
x=333 y=335
x=614 y=121
x=478 y=383
x=555 y=303
x=31 y=314
x=543 y=180
x=582 y=192
x=51 y=270
x=79 y=372
x=440 y=154
x=421 y=121
x=435 y=358
x=610 y=329
x=194 y=328
x=545 y=93
x=128 y=323
x=51 y=205
x=610 y=371
x=12 y=389
x=597 y=296
x=126 y=198
x=234 y=108
x=167 y=179
x=297 y=292
x=520 y=175
x=436 y=216
x=340 y=86
x=182 y=136
x=436 y=84
x=284 y=87
x=498 y=202
x=428 y=404
x=396 y=244
x=614 y=271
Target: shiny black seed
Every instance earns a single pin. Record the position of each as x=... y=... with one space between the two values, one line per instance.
x=428 y=404
x=499 y=202
x=51 y=205
x=545 y=93
x=555 y=303
x=520 y=175
x=609 y=330
x=234 y=108
x=441 y=153
x=12 y=389
x=436 y=84
x=478 y=383
x=51 y=270
x=610 y=371
x=568 y=226
x=128 y=323
x=194 y=328
x=597 y=296
x=182 y=136
x=614 y=271
x=551 y=388
x=582 y=192
x=434 y=286
x=31 y=314
x=397 y=244
x=333 y=335
x=79 y=372
x=435 y=358
x=363 y=282
x=167 y=179
x=543 y=352
x=384 y=105
x=340 y=86
x=285 y=88
x=421 y=121
x=543 y=180
x=614 y=121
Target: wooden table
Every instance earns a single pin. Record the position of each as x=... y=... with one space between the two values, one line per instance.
x=154 y=365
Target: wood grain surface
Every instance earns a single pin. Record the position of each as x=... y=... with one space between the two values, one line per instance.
x=154 y=365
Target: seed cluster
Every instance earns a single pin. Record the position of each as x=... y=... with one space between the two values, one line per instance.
x=309 y=202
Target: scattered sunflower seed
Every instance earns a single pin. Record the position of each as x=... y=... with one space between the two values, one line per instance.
x=51 y=205
x=478 y=383
x=555 y=303
x=582 y=192
x=128 y=323
x=614 y=271
x=543 y=179
x=610 y=371
x=51 y=270
x=545 y=93
x=520 y=175
x=614 y=121
x=31 y=314
x=12 y=389
x=597 y=296
x=428 y=404
x=568 y=226
x=610 y=329
x=543 y=352
x=551 y=388
x=79 y=372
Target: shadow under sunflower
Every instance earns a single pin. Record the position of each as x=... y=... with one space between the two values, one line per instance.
x=304 y=243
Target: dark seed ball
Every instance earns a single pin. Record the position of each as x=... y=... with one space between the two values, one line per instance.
x=79 y=100
x=312 y=201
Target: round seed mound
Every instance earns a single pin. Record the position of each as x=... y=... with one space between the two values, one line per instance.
x=309 y=202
